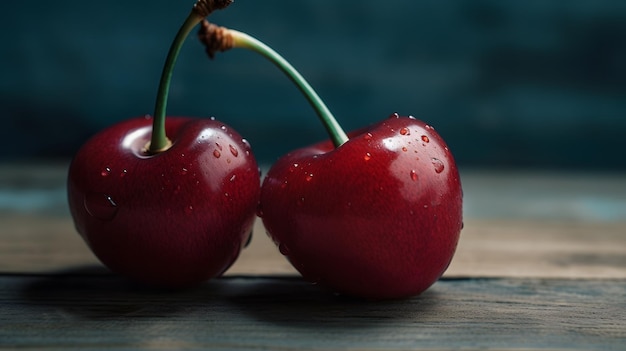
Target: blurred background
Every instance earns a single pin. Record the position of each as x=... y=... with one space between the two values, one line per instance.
x=512 y=86
x=507 y=83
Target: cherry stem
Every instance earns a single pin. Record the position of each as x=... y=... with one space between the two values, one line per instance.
x=220 y=39
x=201 y=9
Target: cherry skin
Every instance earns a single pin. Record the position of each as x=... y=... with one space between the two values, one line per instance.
x=174 y=218
x=378 y=217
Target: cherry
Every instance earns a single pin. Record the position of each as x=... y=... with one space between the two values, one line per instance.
x=376 y=214
x=377 y=217
x=166 y=211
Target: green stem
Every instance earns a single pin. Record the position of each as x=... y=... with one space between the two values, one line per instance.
x=159 y=141
x=336 y=133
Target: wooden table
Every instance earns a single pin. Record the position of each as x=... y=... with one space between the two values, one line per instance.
x=518 y=281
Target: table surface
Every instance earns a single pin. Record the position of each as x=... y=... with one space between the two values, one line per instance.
x=541 y=264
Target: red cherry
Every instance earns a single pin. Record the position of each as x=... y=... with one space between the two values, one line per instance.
x=166 y=211
x=174 y=218
x=378 y=217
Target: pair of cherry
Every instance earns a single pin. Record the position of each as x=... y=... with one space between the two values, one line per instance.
x=375 y=214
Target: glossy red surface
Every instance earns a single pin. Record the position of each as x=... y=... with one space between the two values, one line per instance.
x=172 y=219
x=378 y=217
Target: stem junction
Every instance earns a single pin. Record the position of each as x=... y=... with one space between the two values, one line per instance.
x=201 y=9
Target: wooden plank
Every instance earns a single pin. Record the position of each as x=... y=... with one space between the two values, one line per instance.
x=488 y=248
x=77 y=309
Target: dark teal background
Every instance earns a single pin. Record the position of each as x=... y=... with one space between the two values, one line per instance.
x=536 y=83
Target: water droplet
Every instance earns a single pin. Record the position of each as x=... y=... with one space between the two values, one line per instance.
x=183 y=171
x=249 y=240
x=394 y=115
x=282 y=247
x=100 y=206
x=404 y=149
x=105 y=172
x=439 y=166
x=246 y=144
x=309 y=177
x=223 y=127
x=233 y=150
x=425 y=206
x=411 y=117
x=367 y=156
x=218 y=146
x=232 y=179
x=283 y=185
x=189 y=209
x=217 y=154
x=301 y=201
x=124 y=173
x=428 y=126
x=212 y=118
x=405 y=131
x=425 y=139
x=413 y=175
x=368 y=136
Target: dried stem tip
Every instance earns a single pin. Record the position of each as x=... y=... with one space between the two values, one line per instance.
x=215 y=38
x=205 y=7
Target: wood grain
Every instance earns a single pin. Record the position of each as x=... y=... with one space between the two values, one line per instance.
x=79 y=310
x=488 y=248
x=519 y=281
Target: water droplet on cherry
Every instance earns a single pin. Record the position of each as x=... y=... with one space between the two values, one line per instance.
x=413 y=175
x=223 y=127
x=218 y=146
x=212 y=118
x=394 y=115
x=246 y=145
x=282 y=247
x=232 y=179
x=233 y=150
x=405 y=131
x=308 y=177
x=249 y=239
x=425 y=139
x=189 y=209
x=217 y=154
x=439 y=166
x=184 y=171
x=367 y=156
x=105 y=172
x=124 y=173
x=368 y=136
x=404 y=149
x=100 y=206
